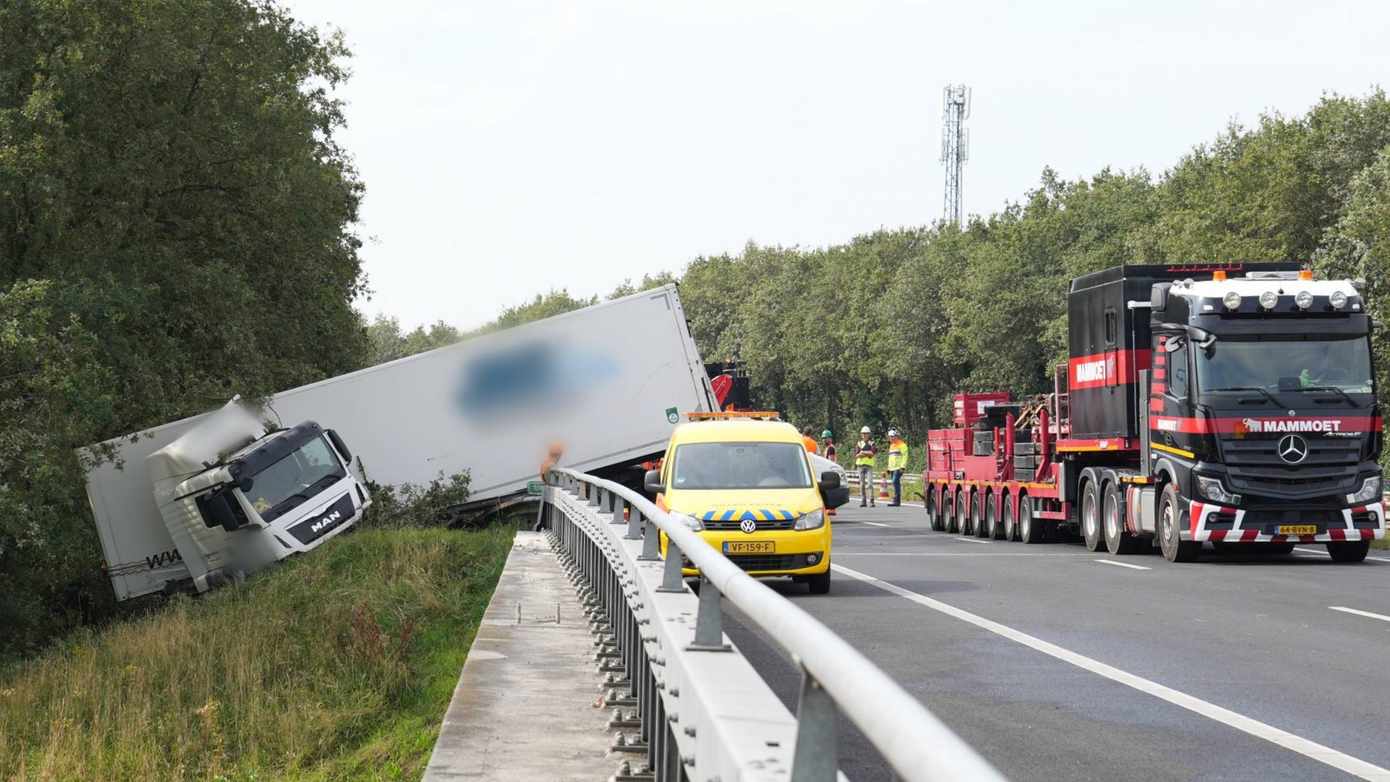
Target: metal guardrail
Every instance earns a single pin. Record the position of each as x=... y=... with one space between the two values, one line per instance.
x=696 y=707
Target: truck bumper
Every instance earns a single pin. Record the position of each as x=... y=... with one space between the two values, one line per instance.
x=1220 y=524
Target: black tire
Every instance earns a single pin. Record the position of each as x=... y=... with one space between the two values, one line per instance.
x=1117 y=538
x=1349 y=550
x=1030 y=530
x=963 y=513
x=929 y=503
x=994 y=525
x=819 y=583
x=1172 y=517
x=1010 y=518
x=982 y=501
x=949 y=511
x=1090 y=517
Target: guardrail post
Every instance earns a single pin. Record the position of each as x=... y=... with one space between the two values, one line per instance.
x=709 y=622
x=634 y=523
x=651 y=543
x=816 y=757
x=671 y=577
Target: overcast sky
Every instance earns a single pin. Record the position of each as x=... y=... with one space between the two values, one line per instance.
x=509 y=147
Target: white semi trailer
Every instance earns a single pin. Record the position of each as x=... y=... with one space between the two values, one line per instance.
x=609 y=382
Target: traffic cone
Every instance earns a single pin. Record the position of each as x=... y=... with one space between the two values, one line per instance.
x=883 y=488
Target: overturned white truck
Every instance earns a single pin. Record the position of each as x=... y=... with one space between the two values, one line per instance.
x=188 y=499
x=234 y=495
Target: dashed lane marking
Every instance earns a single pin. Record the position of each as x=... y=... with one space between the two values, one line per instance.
x=1306 y=747
x=1122 y=564
x=1358 y=612
x=972 y=540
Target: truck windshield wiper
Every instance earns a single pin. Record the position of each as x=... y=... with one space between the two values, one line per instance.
x=1262 y=391
x=1333 y=389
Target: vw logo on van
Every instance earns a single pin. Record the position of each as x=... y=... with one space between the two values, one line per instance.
x=748 y=525
x=1292 y=449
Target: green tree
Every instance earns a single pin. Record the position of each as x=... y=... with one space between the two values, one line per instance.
x=176 y=226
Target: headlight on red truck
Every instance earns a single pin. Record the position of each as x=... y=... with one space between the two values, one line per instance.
x=1214 y=490
x=1370 y=490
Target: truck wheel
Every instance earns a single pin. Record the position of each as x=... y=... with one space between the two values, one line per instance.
x=1117 y=539
x=1030 y=530
x=929 y=502
x=1090 y=517
x=1171 y=519
x=1010 y=521
x=819 y=583
x=982 y=503
x=1349 y=550
x=962 y=513
x=993 y=524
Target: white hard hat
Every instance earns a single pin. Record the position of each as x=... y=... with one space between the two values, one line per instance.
x=892 y=432
x=865 y=430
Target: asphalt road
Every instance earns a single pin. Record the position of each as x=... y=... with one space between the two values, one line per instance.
x=1057 y=664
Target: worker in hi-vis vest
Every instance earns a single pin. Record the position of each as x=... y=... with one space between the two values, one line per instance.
x=864 y=454
x=897 y=462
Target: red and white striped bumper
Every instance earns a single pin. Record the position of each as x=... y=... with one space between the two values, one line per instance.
x=1200 y=515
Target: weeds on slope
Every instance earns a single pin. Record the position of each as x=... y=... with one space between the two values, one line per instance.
x=333 y=666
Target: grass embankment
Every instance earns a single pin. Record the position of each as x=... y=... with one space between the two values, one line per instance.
x=334 y=666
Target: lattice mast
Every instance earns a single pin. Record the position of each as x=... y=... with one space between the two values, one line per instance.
x=955 y=146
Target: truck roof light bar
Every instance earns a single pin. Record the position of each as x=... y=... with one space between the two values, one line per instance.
x=735 y=415
x=1303 y=299
x=1268 y=299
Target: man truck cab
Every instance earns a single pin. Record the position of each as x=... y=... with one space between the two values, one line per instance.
x=745 y=483
x=235 y=497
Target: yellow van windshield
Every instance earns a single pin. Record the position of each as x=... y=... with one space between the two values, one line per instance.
x=740 y=466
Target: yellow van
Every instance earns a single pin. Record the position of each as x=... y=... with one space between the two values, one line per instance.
x=744 y=482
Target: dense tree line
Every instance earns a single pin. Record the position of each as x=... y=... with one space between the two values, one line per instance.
x=175 y=227
x=882 y=329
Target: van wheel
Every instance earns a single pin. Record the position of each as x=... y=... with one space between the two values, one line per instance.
x=1172 y=517
x=1117 y=539
x=1010 y=521
x=1349 y=550
x=1030 y=530
x=1090 y=517
x=819 y=583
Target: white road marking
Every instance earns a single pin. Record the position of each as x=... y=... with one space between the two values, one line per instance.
x=972 y=540
x=943 y=554
x=1368 y=614
x=1325 y=555
x=1122 y=564
x=876 y=524
x=1310 y=749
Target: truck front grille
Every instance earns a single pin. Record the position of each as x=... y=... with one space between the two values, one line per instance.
x=1254 y=467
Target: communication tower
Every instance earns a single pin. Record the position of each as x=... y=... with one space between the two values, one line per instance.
x=955 y=146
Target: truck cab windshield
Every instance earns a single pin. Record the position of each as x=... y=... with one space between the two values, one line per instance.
x=293 y=480
x=741 y=466
x=1270 y=367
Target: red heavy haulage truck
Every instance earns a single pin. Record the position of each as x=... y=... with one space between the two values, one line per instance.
x=1229 y=403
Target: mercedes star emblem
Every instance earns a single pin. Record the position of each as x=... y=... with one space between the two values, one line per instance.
x=1293 y=449
x=748 y=525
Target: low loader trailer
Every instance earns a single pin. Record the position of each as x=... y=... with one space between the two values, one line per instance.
x=1229 y=404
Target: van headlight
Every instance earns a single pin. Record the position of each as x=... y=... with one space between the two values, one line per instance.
x=1212 y=489
x=689 y=521
x=1370 y=490
x=813 y=520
